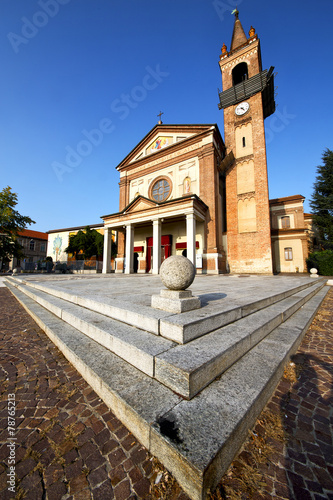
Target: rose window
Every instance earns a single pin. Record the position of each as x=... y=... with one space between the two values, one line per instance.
x=160 y=190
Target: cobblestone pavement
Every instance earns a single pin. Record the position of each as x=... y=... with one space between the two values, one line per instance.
x=69 y=445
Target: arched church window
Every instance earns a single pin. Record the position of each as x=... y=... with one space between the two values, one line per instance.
x=240 y=73
x=160 y=189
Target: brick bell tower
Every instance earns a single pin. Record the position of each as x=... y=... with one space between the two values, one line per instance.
x=247 y=99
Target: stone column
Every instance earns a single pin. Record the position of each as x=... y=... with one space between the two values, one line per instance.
x=156 y=246
x=129 y=248
x=190 y=236
x=107 y=251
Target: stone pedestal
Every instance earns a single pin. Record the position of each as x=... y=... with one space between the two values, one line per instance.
x=175 y=301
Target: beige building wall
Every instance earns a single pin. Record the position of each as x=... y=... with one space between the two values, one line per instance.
x=243 y=139
x=247 y=220
x=184 y=178
x=59 y=240
x=297 y=262
x=245 y=177
x=289 y=231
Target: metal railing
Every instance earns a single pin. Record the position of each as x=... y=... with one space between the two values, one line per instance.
x=79 y=266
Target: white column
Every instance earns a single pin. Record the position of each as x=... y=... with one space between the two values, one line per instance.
x=107 y=251
x=156 y=246
x=190 y=237
x=129 y=248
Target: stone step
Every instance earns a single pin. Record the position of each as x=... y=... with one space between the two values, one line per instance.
x=134 y=396
x=137 y=347
x=180 y=328
x=188 y=368
x=138 y=313
x=197 y=439
x=208 y=430
x=183 y=328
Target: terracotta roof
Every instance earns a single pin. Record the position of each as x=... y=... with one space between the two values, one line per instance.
x=286 y=199
x=33 y=234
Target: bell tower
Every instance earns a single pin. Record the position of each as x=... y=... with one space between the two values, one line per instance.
x=247 y=99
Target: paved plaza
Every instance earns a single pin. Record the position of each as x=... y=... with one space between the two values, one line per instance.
x=69 y=445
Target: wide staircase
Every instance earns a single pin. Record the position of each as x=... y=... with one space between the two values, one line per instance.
x=189 y=386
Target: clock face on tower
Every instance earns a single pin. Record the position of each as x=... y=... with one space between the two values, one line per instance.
x=242 y=108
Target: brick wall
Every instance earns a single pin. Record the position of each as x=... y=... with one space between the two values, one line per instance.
x=249 y=250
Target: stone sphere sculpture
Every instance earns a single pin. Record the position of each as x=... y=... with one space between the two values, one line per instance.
x=313 y=270
x=177 y=272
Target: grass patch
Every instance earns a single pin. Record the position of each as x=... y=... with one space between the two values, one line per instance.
x=294 y=368
x=58 y=458
x=163 y=485
x=43 y=433
x=66 y=392
x=20 y=493
x=244 y=478
x=71 y=433
x=30 y=453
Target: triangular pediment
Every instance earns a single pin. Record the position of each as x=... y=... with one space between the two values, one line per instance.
x=160 y=138
x=140 y=203
x=160 y=141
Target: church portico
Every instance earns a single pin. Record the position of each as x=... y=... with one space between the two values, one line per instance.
x=149 y=235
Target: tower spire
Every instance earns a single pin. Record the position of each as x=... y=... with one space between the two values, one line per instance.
x=238 y=35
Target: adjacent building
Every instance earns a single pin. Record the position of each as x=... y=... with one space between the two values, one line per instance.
x=34 y=244
x=58 y=240
x=290 y=234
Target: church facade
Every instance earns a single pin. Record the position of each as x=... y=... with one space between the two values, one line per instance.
x=185 y=191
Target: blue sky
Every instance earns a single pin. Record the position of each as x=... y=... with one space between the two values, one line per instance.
x=71 y=67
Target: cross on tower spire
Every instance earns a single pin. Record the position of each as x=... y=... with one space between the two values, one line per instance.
x=160 y=114
x=235 y=11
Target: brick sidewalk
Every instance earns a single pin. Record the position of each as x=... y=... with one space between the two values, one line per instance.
x=289 y=454
x=71 y=446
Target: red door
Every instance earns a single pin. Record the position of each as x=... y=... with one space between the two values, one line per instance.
x=149 y=256
x=166 y=242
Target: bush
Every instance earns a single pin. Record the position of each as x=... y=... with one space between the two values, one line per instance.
x=323 y=261
x=62 y=267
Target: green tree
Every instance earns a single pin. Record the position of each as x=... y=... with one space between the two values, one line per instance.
x=76 y=244
x=89 y=241
x=321 y=202
x=11 y=223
